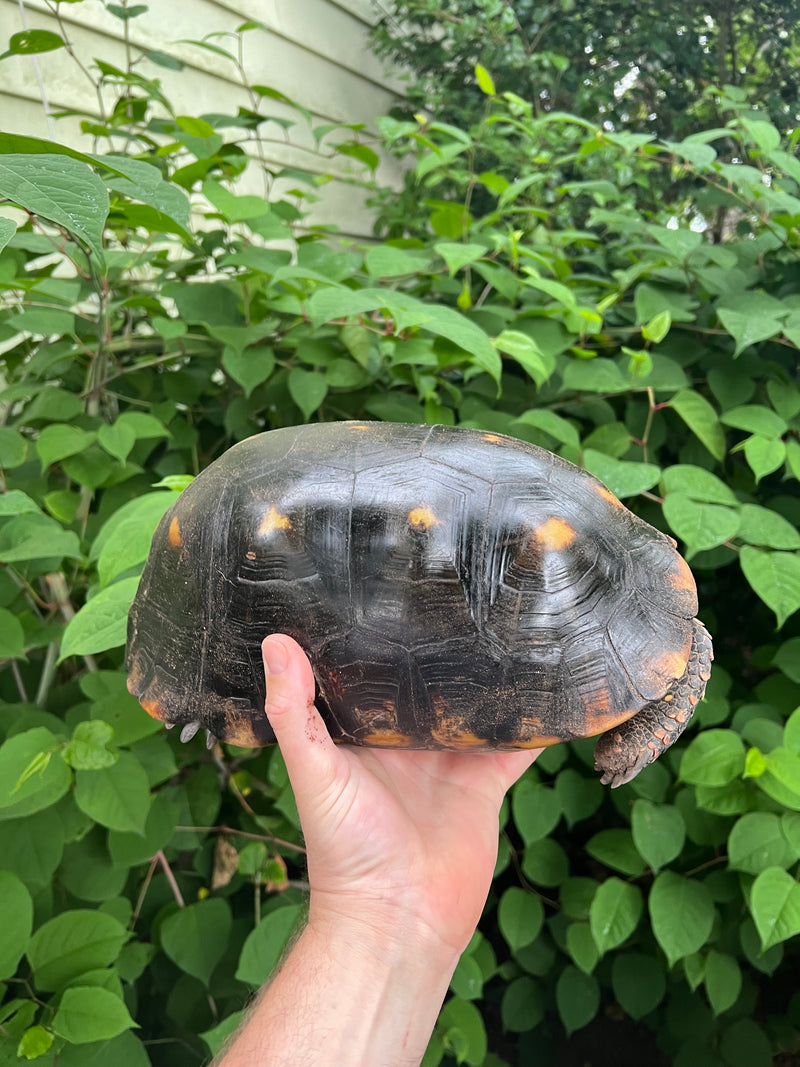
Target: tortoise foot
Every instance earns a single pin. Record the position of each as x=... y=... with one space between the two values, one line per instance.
x=624 y=751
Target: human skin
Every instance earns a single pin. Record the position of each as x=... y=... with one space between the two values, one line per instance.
x=401 y=849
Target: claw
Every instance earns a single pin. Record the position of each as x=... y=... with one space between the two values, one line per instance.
x=210 y=740
x=189 y=730
x=169 y=725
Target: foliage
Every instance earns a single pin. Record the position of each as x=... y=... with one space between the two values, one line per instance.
x=637 y=66
x=152 y=315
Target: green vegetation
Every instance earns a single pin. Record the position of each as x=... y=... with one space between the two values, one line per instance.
x=151 y=315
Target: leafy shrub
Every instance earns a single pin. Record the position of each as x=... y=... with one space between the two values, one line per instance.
x=151 y=316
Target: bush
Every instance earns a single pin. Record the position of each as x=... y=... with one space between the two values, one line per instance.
x=151 y=316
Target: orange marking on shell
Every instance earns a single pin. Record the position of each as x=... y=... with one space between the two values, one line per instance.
x=597 y=703
x=274 y=520
x=358 y=426
x=422 y=518
x=606 y=494
x=153 y=708
x=239 y=732
x=174 y=536
x=388 y=739
x=554 y=534
x=681 y=577
x=672 y=664
x=450 y=733
x=250 y=555
x=492 y=438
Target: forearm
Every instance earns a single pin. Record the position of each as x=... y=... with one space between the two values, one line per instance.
x=347 y=997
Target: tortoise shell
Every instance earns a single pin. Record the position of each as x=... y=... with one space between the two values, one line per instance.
x=452 y=588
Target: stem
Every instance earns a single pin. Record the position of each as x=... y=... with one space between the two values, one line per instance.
x=268 y=838
x=19 y=682
x=143 y=891
x=48 y=673
x=176 y=892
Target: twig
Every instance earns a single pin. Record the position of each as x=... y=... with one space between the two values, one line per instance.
x=176 y=892
x=143 y=891
x=269 y=838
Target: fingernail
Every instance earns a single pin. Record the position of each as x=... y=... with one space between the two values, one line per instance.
x=275 y=656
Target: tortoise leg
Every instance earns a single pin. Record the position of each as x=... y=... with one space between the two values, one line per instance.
x=624 y=751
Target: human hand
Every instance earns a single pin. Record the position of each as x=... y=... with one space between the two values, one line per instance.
x=402 y=842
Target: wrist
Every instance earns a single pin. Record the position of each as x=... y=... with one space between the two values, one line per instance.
x=383 y=933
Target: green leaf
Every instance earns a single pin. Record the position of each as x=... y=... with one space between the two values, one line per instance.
x=265 y=945
x=117 y=440
x=463 y=1031
x=787 y=658
x=13 y=448
x=550 y=423
x=747 y=328
x=658 y=832
x=577 y=998
x=7 y=230
x=715 y=757
x=615 y=849
x=250 y=367
x=764 y=455
x=680 y=243
x=701 y=526
x=12 y=636
x=536 y=809
x=775 y=906
x=520 y=916
x=658 y=327
x=385 y=261
x=681 y=913
x=581 y=947
x=745 y=1044
x=34 y=1043
x=31 y=537
x=196 y=937
x=522 y=1007
x=88 y=749
x=15 y=502
x=614 y=914
x=59 y=441
x=308 y=389
x=639 y=983
x=698 y=484
x=59 y=189
x=89 y=1013
x=775 y=577
x=756 y=842
x=117 y=796
x=31 y=42
x=723 y=980
x=702 y=420
x=539 y=365
x=17 y=922
x=102 y=622
x=765 y=527
x=622 y=478
x=754 y=418
x=594 y=376
x=484 y=80
x=39 y=790
x=73 y=943
x=457 y=256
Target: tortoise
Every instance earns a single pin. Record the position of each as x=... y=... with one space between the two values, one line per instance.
x=453 y=589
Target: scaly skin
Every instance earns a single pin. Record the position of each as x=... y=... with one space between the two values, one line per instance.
x=622 y=753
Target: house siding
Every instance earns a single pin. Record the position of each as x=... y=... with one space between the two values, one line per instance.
x=313 y=51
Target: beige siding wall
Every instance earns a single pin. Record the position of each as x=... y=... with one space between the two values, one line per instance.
x=314 y=51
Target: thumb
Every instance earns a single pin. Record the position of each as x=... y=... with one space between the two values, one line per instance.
x=312 y=759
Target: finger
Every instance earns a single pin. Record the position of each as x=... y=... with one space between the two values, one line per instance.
x=310 y=754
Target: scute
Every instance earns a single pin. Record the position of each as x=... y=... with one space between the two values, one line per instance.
x=451 y=588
